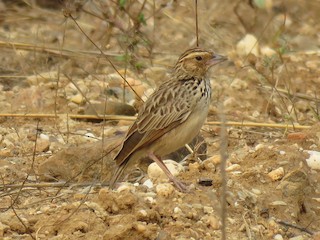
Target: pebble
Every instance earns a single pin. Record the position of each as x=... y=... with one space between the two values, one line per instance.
x=150 y=200
x=278 y=237
x=148 y=183
x=278 y=203
x=211 y=221
x=233 y=167
x=214 y=160
x=194 y=166
x=156 y=174
x=143 y=212
x=256 y=191
x=248 y=44
x=282 y=152
x=259 y=146
x=314 y=160
x=276 y=174
x=207 y=209
x=140 y=227
x=126 y=187
x=239 y=84
x=164 y=189
x=297 y=136
x=267 y=51
x=43 y=145
x=3 y=228
x=77 y=99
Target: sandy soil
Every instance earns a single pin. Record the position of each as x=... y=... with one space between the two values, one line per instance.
x=55 y=167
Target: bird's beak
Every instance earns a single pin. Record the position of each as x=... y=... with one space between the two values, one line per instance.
x=216 y=58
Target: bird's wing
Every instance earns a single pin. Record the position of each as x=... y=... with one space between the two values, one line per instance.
x=163 y=111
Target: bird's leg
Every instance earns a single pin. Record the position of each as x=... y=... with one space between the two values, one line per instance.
x=176 y=182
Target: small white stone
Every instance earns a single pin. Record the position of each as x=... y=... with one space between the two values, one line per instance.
x=143 y=212
x=150 y=200
x=278 y=203
x=256 y=191
x=282 y=152
x=90 y=135
x=233 y=167
x=148 y=183
x=77 y=99
x=267 y=51
x=140 y=227
x=278 y=237
x=259 y=146
x=256 y=114
x=125 y=187
x=276 y=174
x=177 y=210
x=314 y=160
x=44 y=136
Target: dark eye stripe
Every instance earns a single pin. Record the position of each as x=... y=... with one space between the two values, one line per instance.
x=190 y=51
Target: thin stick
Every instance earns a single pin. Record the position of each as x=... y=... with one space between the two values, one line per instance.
x=224 y=157
x=295 y=226
x=197 y=27
x=131 y=118
x=253 y=124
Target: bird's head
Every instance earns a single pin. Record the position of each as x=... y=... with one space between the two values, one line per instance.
x=196 y=62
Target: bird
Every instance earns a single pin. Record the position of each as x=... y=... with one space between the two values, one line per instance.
x=172 y=116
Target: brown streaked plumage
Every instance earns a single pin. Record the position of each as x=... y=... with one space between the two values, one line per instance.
x=173 y=115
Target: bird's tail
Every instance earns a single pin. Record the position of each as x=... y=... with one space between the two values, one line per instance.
x=117 y=174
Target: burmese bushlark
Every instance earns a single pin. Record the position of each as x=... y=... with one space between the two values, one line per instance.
x=173 y=115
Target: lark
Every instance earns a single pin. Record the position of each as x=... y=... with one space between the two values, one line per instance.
x=172 y=116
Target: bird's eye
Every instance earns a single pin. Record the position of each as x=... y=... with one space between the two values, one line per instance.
x=199 y=58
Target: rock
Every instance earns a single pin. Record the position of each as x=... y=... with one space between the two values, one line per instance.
x=239 y=84
x=164 y=189
x=297 y=136
x=211 y=221
x=276 y=174
x=110 y=108
x=267 y=51
x=43 y=145
x=3 y=228
x=233 y=167
x=215 y=160
x=194 y=167
x=294 y=183
x=314 y=160
x=148 y=183
x=77 y=99
x=278 y=237
x=278 y=203
x=77 y=162
x=156 y=174
x=248 y=44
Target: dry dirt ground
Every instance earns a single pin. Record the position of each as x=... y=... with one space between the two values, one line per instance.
x=55 y=167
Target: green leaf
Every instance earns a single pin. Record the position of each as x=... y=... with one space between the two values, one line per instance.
x=122 y=3
x=142 y=19
x=123 y=58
